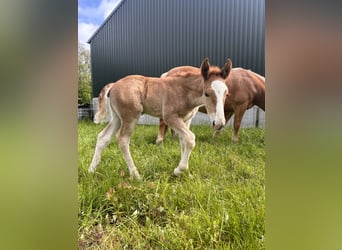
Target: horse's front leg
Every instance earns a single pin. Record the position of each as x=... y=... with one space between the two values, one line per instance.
x=238 y=115
x=187 y=141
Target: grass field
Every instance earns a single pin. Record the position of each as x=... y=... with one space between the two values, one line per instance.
x=219 y=203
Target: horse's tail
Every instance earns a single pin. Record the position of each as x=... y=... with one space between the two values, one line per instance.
x=103 y=115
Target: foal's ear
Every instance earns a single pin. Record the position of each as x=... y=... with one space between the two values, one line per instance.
x=226 y=69
x=205 y=68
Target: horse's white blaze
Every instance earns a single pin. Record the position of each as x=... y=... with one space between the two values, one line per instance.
x=220 y=89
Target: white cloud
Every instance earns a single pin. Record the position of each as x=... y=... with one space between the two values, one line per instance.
x=107 y=6
x=85 y=31
x=88 y=12
x=98 y=13
x=90 y=18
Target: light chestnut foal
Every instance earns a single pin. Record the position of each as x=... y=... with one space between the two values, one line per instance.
x=170 y=98
x=246 y=89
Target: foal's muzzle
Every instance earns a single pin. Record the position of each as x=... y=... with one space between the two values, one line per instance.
x=218 y=125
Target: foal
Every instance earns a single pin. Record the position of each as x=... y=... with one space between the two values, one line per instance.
x=170 y=98
x=246 y=89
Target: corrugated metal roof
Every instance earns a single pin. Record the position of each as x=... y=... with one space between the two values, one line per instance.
x=149 y=37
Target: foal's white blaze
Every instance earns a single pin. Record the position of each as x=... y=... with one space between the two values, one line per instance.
x=220 y=89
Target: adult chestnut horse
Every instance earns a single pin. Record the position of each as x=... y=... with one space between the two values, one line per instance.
x=170 y=98
x=246 y=89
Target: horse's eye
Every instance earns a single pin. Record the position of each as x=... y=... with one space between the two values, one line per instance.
x=206 y=94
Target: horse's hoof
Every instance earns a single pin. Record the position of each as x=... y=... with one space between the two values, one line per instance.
x=235 y=141
x=159 y=141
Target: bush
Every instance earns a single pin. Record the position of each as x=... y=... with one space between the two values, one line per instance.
x=84 y=75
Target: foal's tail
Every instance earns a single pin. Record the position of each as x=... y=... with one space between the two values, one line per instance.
x=164 y=74
x=103 y=115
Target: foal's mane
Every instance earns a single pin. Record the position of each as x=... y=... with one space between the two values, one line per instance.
x=214 y=71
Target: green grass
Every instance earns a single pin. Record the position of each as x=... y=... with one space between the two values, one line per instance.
x=219 y=203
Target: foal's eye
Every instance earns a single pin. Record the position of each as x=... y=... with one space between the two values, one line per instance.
x=206 y=94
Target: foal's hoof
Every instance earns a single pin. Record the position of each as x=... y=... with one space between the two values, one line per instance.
x=136 y=175
x=177 y=172
x=173 y=175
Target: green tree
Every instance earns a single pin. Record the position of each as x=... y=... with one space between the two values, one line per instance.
x=84 y=75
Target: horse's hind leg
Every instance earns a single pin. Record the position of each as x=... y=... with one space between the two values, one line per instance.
x=104 y=139
x=123 y=141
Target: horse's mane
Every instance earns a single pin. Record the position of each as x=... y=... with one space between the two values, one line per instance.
x=183 y=74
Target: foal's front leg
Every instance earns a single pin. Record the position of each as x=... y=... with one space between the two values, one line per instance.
x=187 y=141
x=161 y=132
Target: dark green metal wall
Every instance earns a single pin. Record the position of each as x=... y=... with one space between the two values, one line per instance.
x=148 y=37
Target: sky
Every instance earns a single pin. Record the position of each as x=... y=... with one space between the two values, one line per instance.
x=91 y=14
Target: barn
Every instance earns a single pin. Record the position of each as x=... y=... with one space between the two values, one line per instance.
x=149 y=37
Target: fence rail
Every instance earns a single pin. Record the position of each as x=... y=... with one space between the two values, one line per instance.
x=253 y=117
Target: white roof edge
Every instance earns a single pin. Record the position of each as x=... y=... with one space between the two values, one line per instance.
x=105 y=21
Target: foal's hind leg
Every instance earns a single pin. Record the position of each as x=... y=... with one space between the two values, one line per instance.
x=103 y=140
x=123 y=141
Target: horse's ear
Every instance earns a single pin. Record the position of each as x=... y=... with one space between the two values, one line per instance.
x=205 y=68
x=226 y=69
